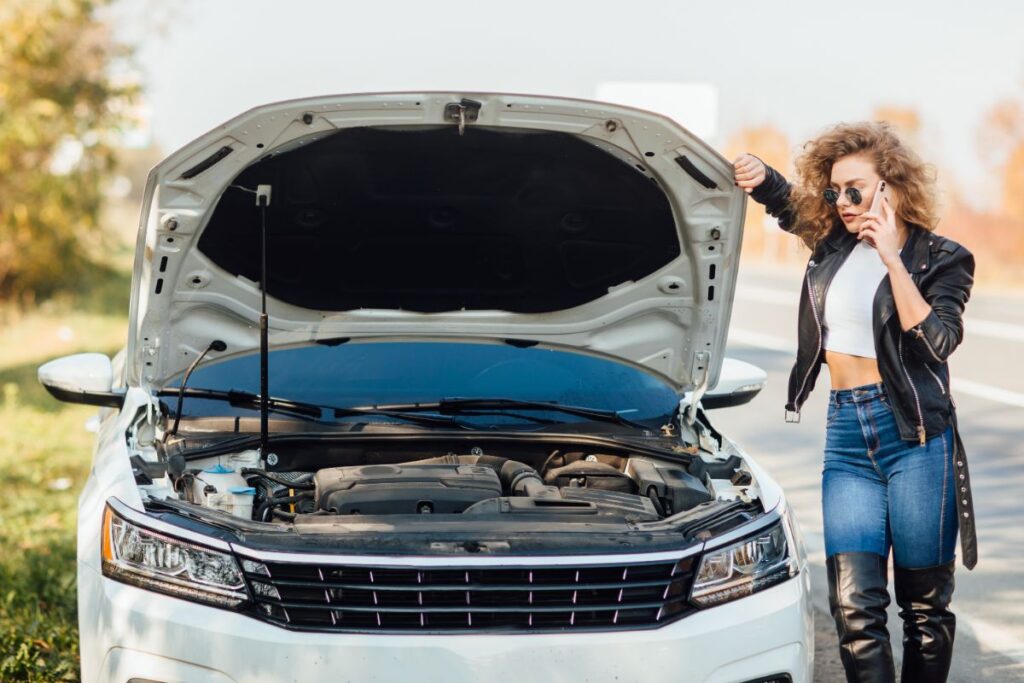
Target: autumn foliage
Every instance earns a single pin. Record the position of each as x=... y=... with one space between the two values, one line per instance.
x=60 y=104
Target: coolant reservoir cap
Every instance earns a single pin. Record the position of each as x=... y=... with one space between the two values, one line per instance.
x=218 y=469
x=243 y=490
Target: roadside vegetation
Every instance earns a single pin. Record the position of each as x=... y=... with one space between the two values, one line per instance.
x=45 y=455
x=65 y=93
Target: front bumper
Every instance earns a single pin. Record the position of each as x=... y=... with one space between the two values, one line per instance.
x=134 y=633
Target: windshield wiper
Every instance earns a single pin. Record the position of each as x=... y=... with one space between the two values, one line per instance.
x=467 y=405
x=304 y=409
x=246 y=399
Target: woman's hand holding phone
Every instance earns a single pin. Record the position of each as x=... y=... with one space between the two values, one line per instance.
x=878 y=226
x=875 y=211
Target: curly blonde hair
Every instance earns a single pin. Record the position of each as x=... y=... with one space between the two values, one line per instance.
x=912 y=180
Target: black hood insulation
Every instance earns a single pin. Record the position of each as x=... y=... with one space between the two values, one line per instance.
x=423 y=219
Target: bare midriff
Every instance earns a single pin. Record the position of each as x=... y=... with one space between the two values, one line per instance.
x=848 y=371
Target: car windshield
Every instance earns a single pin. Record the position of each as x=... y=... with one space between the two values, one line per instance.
x=383 y=373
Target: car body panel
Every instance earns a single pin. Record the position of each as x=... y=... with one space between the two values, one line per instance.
x=673 y=321
x=144 y=635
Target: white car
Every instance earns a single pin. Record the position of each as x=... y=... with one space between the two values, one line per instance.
x=460 y=436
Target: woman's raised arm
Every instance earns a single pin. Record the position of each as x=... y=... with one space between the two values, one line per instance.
x=765 y=186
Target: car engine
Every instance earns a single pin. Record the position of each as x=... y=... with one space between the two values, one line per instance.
x=575 y=484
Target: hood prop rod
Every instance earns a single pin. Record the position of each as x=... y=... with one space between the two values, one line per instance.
x=263 y=201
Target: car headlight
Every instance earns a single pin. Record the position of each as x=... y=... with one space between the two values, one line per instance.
x=745 y=567
x=148 y=559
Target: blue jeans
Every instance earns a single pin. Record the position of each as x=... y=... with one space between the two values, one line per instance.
x=879 y=491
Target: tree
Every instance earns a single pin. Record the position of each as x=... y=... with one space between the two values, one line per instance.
x=905 y=120
x=761 y=236
x=1001 y=131
x=1013 y=184
x=1001 y=145
x=60 y=106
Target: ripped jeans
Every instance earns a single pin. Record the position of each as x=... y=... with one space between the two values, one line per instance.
x=879 y=491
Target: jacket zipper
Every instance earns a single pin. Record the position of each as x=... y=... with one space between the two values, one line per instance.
x=942 y=388
x=814 y=311
x=919 y=333
x=917 y=400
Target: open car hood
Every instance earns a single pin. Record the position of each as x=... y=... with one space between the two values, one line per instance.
x=513 y=218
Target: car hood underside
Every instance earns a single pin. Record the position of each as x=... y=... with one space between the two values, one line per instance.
x=538 y=220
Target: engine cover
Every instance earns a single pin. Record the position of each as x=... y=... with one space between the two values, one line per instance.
x=404 y=489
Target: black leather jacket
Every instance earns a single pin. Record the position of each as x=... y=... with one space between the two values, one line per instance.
x=912 y=363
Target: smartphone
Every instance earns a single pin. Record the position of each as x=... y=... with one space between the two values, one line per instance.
x=876 y=204
x=876 y=201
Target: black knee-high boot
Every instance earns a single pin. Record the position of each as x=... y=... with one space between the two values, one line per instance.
x=928 y=625
x=858 y=595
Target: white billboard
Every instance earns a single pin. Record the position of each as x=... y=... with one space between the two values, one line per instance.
x=693 y=105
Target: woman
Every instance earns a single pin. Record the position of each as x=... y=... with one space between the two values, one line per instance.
x=881 y=303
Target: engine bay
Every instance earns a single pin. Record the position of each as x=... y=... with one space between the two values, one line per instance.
x=567 y=484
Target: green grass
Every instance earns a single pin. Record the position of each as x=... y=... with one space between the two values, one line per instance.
x=38 y=618
x=42 y=444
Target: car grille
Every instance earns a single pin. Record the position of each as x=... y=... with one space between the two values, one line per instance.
x=322 y=597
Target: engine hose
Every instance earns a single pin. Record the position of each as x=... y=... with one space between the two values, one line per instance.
x=271 y=503
x=520 y=478
x=264 y=490
x=183 y=485
x=305 y=481
x=266 y=487
x=652 y=494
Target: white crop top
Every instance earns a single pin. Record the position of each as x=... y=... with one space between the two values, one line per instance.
x=848 y=302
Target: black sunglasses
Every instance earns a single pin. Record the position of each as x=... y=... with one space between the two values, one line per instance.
x=852 y=193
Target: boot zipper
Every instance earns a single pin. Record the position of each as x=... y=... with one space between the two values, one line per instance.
x=917 y=400
x=814 y=311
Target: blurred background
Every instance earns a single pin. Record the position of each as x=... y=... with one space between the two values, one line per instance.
x=94 y=92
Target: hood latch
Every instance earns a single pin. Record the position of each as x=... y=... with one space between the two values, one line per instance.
x=462 y=112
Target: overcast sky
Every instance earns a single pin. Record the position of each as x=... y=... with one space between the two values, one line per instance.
x=798 y=64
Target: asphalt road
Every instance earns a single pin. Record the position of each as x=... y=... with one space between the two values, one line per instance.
x=988 y=386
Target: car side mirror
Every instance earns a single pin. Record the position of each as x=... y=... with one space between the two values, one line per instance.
x=81 y=378
x=738 y=383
